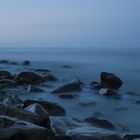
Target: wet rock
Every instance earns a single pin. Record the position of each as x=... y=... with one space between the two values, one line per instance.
x=39 y=110
x=67 y=96
x=50 y=78
x=15 y=129
x=131 y=136
x=91 y=133
x=107 y=92
x=95 y=85
x=51 y=108
x=110 y=80
x=73 y=86
x=4 y=61
x=5 y=74
x=13 y=100
x=32 y=88
x=100 y=123
x=26 y=63
x=5 y=83
x=29 y=78
x=22 y=115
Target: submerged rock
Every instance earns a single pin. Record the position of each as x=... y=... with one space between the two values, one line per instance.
x=32 y=88
x=29 y=78
x=73 y=86
x=51 y=108
x=100 y=123
x=110 y=80
x=15 y=129
x=26 y=63
x=91 y=133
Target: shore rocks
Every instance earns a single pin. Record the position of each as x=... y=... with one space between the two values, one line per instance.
x=22 y=114
x=15 y=129
x=29 y=78
x=5 y=74
x=110 y=80
x=73 y=86
x=100 y=123
x=51 y=108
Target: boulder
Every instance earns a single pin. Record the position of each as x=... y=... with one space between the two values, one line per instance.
x=131 y=136
x=6 y=83
x=22 y=115
x=91 y=133
x=5 y=74
x=32 y=88
x=29 y=78
x=110 y=80
x=52 y=108
x=15 y=129
x=26 y=63
x=73 y=86
x=100 y=123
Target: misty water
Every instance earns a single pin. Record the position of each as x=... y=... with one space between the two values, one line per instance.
x=86 y=65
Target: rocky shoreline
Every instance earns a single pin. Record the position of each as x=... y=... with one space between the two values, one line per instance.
x=40 y=119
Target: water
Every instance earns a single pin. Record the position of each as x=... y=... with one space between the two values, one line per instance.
x=87 y=63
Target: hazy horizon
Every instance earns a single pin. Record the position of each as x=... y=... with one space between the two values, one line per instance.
x=74 y=23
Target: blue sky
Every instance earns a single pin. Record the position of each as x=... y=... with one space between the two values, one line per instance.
x=70 y=23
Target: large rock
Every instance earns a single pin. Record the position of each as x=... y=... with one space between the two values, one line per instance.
x=26 y=63
x=15 y=129
x=5 y=74
x=52 y=108
x=29 y=78
x=100 y=123
x=23 y=115
x=110 y=80
x=92 y=133
x=73 y=86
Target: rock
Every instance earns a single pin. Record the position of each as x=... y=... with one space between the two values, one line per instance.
x=12 y=100
x=4 y=61
x=29 y=78
x=26 y=63
x=67 y=96
x=5 y=74
x=39 y=110
x=73 y=86
x=22 y=115
x=13 y=63
x=95 y=85
x=91 y=133
x=131 y=136
x=110 y=80
x=32 y=88
x=100 y=123
x=42 y=70
x=51 y=108
x=5 y=83
x=15 y=129
x=107 y=92
x=50 y=78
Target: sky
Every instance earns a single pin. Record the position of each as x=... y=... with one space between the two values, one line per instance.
x=70 y=23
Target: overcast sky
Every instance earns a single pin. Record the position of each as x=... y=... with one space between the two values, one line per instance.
x=70 y=23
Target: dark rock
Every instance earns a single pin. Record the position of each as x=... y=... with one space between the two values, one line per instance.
x=110 y=80
x=52 y=109
x=91 y=133
x=73 y=86
x=15 y=129
x=26 y=63
x=29 y=78
x=100 y=123
x=5 y=75
x=67 y=96
x=95 y=85
x=13 y=63
x=131 y=136
x=50 y=78
x=107 y=92
x=5 y=83
x=40 y=111
x=32 y=88
x=22 y=114
x=4 y=61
